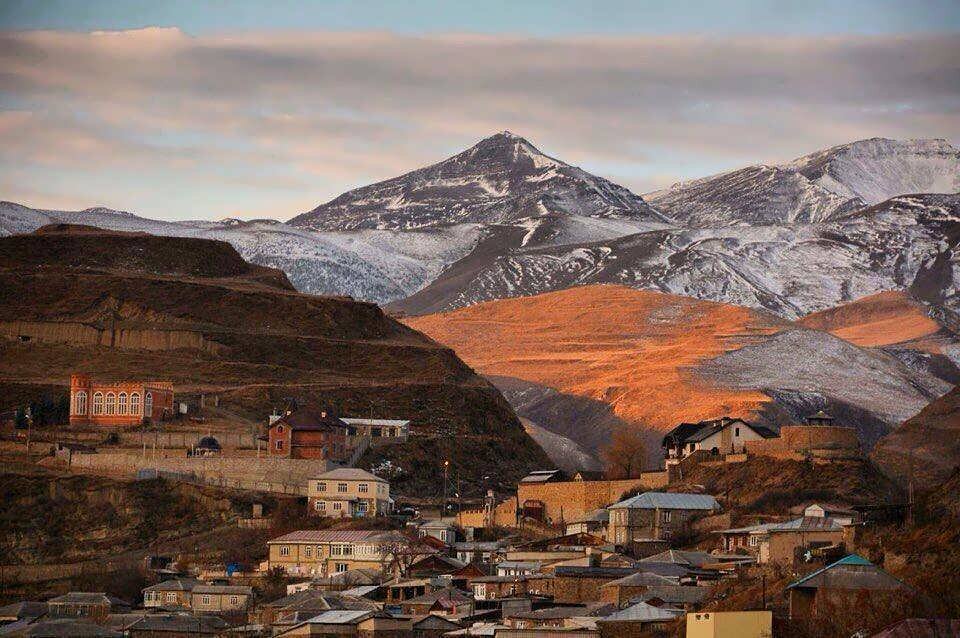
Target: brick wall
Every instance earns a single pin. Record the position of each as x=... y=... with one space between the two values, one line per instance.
x=579 y=589
x=568 y=500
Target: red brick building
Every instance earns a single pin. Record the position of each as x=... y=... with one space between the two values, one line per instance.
x=311 y=433
x=119 y=404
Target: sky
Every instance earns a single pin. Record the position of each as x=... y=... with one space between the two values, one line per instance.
x=204 y=110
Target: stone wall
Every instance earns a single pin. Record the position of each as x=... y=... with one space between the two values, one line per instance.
x=569 y=500
x=286 y=476
x=800 y=441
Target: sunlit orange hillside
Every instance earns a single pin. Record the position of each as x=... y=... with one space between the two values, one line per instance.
x=879 y=320
x=629 y=348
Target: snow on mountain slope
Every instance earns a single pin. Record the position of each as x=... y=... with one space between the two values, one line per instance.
x=370 y=265
x=501 y=179
x=815 y=187
x=790 y=270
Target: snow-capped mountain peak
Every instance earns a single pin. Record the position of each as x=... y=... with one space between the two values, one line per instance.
x=816 y=187
x=500 y=179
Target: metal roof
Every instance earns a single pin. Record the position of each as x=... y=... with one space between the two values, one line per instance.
x=388 y=422
x=648 y=579
x=809 y=524
x=231 y=590
x=669 y=500
x=644 y=613
x=340 y=617
x=850 y=572
x=679 y=594
x=349 y=474
x=328 y=536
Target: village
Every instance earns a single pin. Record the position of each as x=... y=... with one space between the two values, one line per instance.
x=567 y=554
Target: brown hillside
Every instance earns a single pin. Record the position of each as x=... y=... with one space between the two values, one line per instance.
x=631 y=349
x=188 y=311
x=927 y=446
x=883 y=319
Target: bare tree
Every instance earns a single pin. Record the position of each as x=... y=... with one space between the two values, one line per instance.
x=399 y=551
x=624 y=457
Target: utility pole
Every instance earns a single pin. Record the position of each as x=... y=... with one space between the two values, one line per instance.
x=443 y=504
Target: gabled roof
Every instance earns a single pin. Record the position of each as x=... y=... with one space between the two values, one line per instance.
x=596 y=516
x=310 y=417
x=695 y=432
x=65 y=628
x=668 y=500
x=642 y=612
x=676 y=594
x=180 y=623
x=640 y=579
x=349 y=474
x=542 y=476
x=88 y=598
x=436 y=524
x=850 y=572
x=23 y=609
x=451 y=594
x=341 y=617
x=174 y=584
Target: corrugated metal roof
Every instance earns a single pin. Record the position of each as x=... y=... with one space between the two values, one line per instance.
x=669 y=500
x=644 y=613
x=340 y=617
x=232 y=590
x=328 y=536
x=809 y=524
x=850 y=572
x=388 y=422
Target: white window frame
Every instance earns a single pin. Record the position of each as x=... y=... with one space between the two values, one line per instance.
x=80 y=403
x=148 y=405
x=284 y=550
x=341 y=488
x=363 y=488
x=122 y=403
x=98 y=403
x=110 y=403
x=134 y=403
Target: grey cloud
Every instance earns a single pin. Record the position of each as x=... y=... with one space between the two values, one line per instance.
x=346 y=108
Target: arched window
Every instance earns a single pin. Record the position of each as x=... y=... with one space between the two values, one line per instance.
x=148 y=405
x=80 y=403
x=134 y=403
x=111 y=403
x=98 y=402
x=122 y=403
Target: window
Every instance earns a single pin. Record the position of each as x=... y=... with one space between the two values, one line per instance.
x=736 y=432
x=122 y=403
x=308 y=551
x=337 y=505
x=206 y=600
x=754 y=540
x=171 y=596
x=98 y=403
x=665 y=516
x=693 y=447
x=148 y=405
x=320 y=506
x=667 y=533
x=284 y=550
x=321 y=486
x=363 y=488
x=279 y=429
x=80 y=403
x=234 y=600
x=135 y=403
x=341 y=550
x=111 y=403
x=341 y=567
x=362 y=508
x=279 y=444
x=341 y=487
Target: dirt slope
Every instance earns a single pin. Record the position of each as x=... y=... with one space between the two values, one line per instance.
x=883 y=319
x=658 y=359
x=927 y=446
x=197 y=314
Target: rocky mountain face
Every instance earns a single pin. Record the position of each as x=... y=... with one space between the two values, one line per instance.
x=908 y=242
x=503 y=219
x=193 y=312
x=502 y=179
x=815 y=187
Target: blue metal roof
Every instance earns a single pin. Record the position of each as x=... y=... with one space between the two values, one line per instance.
x=669 y=500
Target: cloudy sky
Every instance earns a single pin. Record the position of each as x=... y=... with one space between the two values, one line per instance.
x=184 y=110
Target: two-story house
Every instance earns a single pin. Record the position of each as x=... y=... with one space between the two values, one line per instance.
x=169 y=594
x=324 y=552
x=717 y=436
x=655 y=515
x=348 y=492
x=310 y=432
